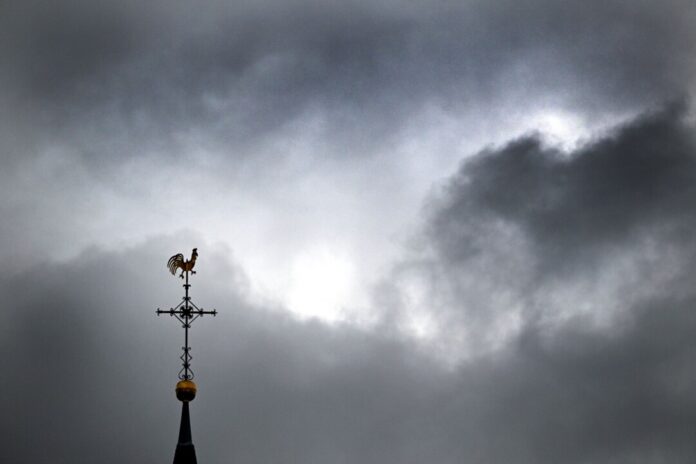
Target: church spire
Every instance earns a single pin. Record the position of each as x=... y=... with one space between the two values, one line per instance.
x=185 y=312
x=185 y=451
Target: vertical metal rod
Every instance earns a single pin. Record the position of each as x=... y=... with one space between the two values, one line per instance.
x=187 y=316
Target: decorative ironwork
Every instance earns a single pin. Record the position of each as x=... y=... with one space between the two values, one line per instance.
x=186 y=311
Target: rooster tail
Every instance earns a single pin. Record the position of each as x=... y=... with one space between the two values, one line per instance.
x=174 y=262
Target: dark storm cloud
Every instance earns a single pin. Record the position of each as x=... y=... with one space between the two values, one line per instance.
x=526 y=234
x=91 y=369
x=241 y=70
x=231 y=92
x=575 y=207
x=560 y=283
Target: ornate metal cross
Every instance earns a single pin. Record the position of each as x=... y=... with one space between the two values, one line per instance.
x=186 y=311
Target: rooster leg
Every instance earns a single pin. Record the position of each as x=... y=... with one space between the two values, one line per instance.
x=181 y=275
x=193 y=272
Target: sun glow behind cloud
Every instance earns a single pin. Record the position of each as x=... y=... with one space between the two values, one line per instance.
x=568 y=130
x=321 y=282
x=560 y=128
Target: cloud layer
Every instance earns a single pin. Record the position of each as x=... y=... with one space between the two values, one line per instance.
x=543 y=312
x=118 y=118
x=526 y=232
x=87 y=350
x=285 y=128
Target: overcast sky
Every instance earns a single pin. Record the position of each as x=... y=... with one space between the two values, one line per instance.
x=436 y=232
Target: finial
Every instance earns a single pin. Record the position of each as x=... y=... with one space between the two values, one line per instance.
x=185 y=390
x=186 y=311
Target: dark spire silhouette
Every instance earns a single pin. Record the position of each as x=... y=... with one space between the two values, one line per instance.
x=185 y=312
x=185 y=451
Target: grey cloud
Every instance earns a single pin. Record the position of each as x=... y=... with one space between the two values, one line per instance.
x=248 y=96
x=92 y=370
x=638 y=180
x=527 y=234
x=566 y=275
x=239 y=71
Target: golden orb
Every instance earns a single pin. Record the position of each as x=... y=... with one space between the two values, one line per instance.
x=185 y=390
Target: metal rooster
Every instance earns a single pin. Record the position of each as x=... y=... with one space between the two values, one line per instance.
x=177 y=262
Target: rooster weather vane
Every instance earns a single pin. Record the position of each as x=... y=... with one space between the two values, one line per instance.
x=177 y=262
x=186 y=311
